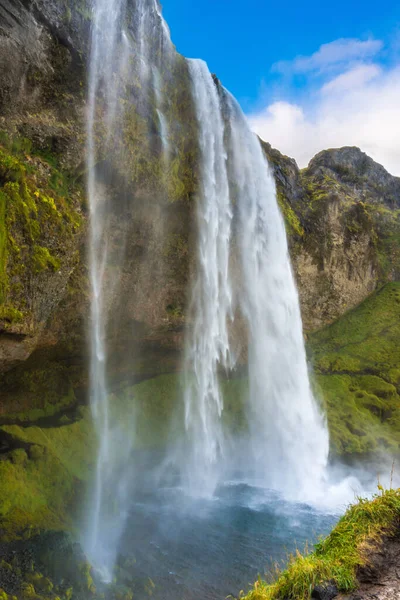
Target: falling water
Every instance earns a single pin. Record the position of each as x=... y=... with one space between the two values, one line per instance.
x=208 y=342
x=287 y=436
x=243 y=271
x=106 y=67
x=110 y=69
x=164 y=129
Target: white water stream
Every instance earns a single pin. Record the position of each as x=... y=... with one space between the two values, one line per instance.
x=289 y=437
x=109 y=69
x=207 y=345
x=287 y=444
x=105 y=73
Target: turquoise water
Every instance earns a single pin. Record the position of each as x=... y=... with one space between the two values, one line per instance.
x=181 y=549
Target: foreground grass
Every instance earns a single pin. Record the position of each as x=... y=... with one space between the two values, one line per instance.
x=336 y=558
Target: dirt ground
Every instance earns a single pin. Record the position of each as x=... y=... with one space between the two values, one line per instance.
x=380 y=580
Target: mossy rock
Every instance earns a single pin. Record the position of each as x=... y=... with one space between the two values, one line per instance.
x=40 y=215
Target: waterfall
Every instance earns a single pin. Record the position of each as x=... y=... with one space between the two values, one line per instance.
x=164 y=129
x=207 y=346
x=118 y=33
x=287 y=437
x=106 y=67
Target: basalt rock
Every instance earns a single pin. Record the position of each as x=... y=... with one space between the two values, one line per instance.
x=325 y=592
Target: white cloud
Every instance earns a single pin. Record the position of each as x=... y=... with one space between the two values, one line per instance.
x=360 y=106
x=335 y=53
x=352 y=79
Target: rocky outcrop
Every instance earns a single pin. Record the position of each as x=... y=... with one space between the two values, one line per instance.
x=343 y=220
x=42 y=213
x=369 y=181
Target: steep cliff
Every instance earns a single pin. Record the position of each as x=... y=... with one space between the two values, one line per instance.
x=43 y=275
x=42 y=208
x=343 y=220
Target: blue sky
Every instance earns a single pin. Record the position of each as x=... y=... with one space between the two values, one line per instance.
x=242 y=40
x=298 y=68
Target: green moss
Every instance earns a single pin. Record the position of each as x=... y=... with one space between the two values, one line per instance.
x=40 y=483
x=42 y=260
x=358 y=219
x=387 y=227
x=41 y=476
x=35 y=494
x=10 y=314
x=337 y=558
x=356 y=362
x=31 y=393
x=292 y=221
x=3 y=248
x=318 y=188
x=39 y=215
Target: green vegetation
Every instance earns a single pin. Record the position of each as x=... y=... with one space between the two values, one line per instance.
x=42 y=260
x=44 y=470
x=58 y=570
x=336 y=558
x=34 y=393
x=40 y=477
x=357 y=371
x=39 y=215
x=42 y=474
x=292 y=221
x=387 y=227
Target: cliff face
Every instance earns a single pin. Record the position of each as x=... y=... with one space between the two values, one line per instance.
x=42 y=147
x=43 y=215
x=342 y=217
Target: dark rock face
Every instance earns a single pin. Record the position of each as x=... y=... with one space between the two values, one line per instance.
x=325 y=592
x=380 y=578
x=287 y=175
x=44 y=315
x=41 y=119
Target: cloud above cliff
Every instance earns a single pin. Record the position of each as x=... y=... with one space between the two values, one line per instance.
x=349 y=98
x=330 y=56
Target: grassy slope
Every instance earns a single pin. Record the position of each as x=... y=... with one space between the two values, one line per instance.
x=40 y=478
x=337 y=557
x=357 y=371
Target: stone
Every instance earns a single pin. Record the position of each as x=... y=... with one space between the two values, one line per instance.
x=325 y=592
